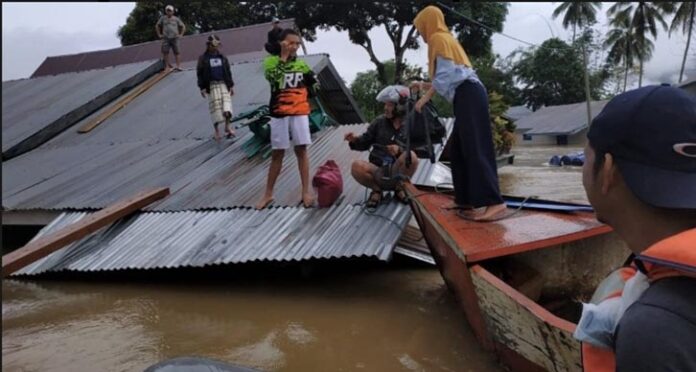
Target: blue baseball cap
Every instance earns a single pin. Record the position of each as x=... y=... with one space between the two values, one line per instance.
x=651 y=133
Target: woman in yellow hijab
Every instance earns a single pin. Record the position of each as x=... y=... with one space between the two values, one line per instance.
x=474 y=170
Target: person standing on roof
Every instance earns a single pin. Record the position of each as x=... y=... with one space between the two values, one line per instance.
x=474 y=170
x=386 y=136
x=640 y=177
x=292 y=81
x=170 y=29
x=272 y=45
x=215 y=82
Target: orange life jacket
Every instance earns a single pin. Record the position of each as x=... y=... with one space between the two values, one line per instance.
x=673 y=256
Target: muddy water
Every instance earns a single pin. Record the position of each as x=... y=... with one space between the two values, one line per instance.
x=394 y=318
x=398 y=319
x=532 y=176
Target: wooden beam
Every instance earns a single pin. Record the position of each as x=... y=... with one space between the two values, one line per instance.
x=128 y=98
x=48 y=244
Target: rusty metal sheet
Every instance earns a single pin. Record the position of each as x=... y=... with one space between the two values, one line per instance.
x=234 y=41
x=523 y=231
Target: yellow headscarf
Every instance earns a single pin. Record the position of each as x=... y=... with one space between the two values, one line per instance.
x=430 y=22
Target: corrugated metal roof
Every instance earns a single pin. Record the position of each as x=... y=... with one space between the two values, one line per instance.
x=199 y=173
x=516 y=113
x=173 y=109
x=153 y=240
x=559 y=120
x=238 y=40
x=33 y=110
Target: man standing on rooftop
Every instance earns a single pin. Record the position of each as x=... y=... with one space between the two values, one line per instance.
x=170 y=28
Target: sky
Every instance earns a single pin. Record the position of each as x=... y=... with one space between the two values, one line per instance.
x=33 y=31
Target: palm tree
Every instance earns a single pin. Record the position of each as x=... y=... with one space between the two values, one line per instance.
x=624 y=47
x=643 y=18
x=577 y=14
x=684 y=17
x=620 y=42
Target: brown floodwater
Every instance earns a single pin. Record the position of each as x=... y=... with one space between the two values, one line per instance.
x=396 y=317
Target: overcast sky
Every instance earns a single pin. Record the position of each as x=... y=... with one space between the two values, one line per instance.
x=33 y=31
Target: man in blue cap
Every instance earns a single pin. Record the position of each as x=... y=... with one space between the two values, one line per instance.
x=640 y=177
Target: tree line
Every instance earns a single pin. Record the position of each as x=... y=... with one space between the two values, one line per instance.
x=547 y=74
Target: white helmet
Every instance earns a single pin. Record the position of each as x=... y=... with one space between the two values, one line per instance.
x=393 y=93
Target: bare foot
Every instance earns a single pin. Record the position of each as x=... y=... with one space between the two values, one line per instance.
x=217 y=137
x=230 y=133
x=459 y=207
x=264 y=202
x=307 y=200
x=491 y=213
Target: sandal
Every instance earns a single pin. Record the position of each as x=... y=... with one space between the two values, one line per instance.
x=373 y=201
x=400 y=194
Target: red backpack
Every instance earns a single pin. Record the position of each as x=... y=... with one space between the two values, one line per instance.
x=328 y=183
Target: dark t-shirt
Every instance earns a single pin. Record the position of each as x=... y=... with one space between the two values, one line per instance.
x=216 y=68
x=381 y=132
x=658 y=332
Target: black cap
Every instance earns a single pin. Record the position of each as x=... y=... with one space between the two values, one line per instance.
x=651 y=133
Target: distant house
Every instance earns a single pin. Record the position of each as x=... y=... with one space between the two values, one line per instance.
x=556 y=125
x=56 y=173
x=689 y=86
x=515 y=113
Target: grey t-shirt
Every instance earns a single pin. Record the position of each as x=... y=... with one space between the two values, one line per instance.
x=658 y=332
x=170 y=26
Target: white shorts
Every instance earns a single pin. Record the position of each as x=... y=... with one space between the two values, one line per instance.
x=295 y=128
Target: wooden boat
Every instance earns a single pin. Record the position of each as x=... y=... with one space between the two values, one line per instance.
x=519 y=280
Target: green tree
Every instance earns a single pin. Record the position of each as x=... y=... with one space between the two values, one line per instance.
x=551 y=74
x=580 y=14
x=497 y=78
x=577 y=14
x=199 y=16
x=356 y=18
x=643 y=18
x=623 y=47
x=684 y=17
x=475 y=39
x=367 y=85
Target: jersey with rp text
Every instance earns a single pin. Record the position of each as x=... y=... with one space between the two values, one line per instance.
x=291 y=82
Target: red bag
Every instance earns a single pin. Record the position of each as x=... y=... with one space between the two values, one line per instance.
x=328 y=183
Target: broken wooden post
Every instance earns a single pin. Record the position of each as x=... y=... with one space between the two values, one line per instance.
x=50 y=243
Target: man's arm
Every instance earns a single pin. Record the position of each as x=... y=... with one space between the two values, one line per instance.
x=158 y=26
x=366 y=140
x=182 y=26
x=199 y=73
x=270 y=65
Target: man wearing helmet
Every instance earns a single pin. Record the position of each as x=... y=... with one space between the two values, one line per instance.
x=386 y=137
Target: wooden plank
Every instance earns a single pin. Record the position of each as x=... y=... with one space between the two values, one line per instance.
x=128 y=98
x=71 y=118
x=48 y=244
x=525 y=327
